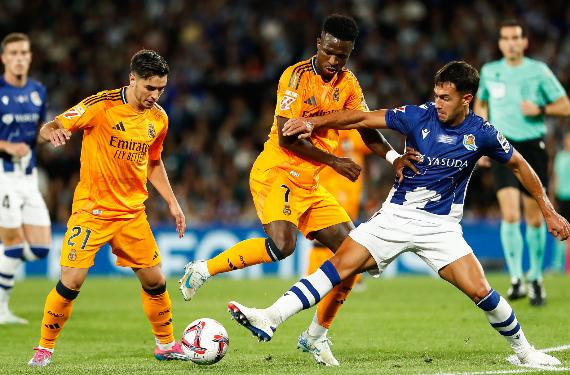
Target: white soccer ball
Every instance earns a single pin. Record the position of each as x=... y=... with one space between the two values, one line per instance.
x=205 y=341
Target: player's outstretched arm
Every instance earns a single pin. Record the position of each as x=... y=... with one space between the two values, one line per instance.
x=305 y=149
x=376 y=142
x=557 y=225
x=159 y=179
x=337 y=120
x=54 y=133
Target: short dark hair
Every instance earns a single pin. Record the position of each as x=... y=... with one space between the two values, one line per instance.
x=341 y=27
x=13 y=37
x=513 y=22
x=462 y=75
x=147 y=63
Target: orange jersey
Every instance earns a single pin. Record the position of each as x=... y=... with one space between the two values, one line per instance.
x=303 y=93
x=347 y=192
x=117 y=145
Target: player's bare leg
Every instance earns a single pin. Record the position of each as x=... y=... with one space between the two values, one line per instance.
x=467 y=275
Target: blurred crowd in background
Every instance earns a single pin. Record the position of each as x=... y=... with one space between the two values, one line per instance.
x=226 y=58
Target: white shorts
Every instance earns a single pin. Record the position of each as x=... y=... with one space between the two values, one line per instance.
x=21 y=201
x=387 y=235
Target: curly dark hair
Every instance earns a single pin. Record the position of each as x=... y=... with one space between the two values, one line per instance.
x=341 y=27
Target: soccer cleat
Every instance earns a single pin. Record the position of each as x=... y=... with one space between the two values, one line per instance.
x=318 y=347
x=534 y=357
x=6 y=317
x=252 y=319
x=536 y=293
x=175 y=352
x=517 y=290
x=195 y=275
x=41 y=358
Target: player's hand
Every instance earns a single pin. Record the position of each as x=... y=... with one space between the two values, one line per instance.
x=529 y=108
x=558 y=226
x=346 y=167
x=58 y=137
x=178 y=215
x=298 y=125
x=18 y=149
x=484 y=162
x=407 y=160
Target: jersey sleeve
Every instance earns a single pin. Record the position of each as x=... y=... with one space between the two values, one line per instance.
x=495 y=145
x=289 y=90
x=402 y=119
x=80 y=116
x=550 y=85
x=483 y=92
x=356 y=99
x=155 y=149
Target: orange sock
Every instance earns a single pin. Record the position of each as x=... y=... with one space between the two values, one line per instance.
x=317 y=256
x=328 y=307
x=158 y=309
x=243 y=254
x=57 y=310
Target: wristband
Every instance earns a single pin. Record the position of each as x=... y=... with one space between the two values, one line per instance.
x=542 y=109
x=391 y=156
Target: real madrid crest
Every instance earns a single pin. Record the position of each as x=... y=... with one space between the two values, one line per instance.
x=72 y=255
x=336 y=94
x=151 y=131
x=469 y=142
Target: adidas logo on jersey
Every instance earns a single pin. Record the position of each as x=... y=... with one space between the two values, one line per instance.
x=119 y=126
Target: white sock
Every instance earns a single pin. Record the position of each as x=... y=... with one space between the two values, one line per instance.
x=305 y=293
x=315 y=329
x=502 y=317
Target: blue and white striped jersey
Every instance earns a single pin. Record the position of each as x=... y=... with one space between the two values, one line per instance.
x=449 y=155
x=22 y=110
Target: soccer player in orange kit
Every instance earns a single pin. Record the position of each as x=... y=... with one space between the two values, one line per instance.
x=284 y=180
x=124 y=130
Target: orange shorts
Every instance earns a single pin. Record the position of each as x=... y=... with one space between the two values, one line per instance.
x=276 y=197
x=131 y=241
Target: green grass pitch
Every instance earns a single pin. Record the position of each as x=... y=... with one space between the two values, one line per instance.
x=405 y=325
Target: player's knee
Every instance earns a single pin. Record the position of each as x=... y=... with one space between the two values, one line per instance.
x=511 y=217
x=69 y=292
x=479 y=292
x=35 y=252
x=156 y=289
x=535 y=220
x=280 y=247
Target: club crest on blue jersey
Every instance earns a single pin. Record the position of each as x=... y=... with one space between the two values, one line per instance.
x=469 y=142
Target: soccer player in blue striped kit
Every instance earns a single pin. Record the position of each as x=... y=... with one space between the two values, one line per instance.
x=24 y=219
x=422 y=213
